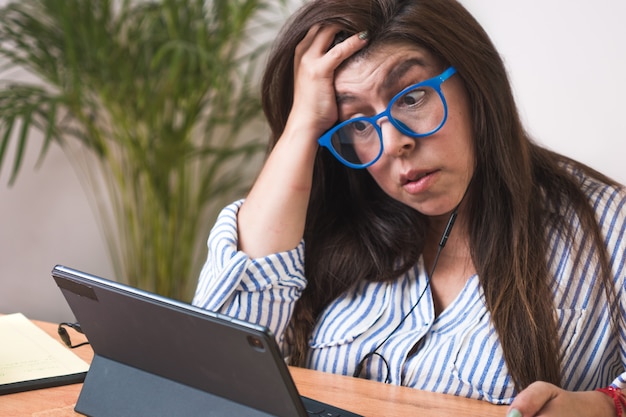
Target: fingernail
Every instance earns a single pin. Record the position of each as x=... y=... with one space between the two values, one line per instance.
x=514 y=413
x=364 y=35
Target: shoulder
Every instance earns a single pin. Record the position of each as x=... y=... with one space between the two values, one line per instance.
x=608 y=200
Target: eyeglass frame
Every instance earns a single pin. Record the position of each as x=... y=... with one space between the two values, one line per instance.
x=435 y=83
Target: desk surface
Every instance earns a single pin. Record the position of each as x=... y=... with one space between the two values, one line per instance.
x=361 y=396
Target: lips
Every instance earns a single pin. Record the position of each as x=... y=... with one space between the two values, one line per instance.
x=416 y=182
x=415 y=176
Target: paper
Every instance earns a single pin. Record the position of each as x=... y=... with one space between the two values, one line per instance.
x=27 y=353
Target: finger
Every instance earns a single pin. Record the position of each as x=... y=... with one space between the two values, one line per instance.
x=325 y=37
x=308 y=39
x=309 y=51
x=345 y=49
x=318 y=41
x=531 y=400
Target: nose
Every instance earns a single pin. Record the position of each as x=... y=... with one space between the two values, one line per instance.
x=395 y=143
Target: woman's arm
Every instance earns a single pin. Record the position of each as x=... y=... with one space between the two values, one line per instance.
x=544 y=399
x=261 y=290
x=272 y=218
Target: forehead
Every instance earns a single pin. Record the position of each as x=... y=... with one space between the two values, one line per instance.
x=385 y=65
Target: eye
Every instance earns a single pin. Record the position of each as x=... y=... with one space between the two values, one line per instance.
x=360 y=126
x=412 y=98
x=359 y=130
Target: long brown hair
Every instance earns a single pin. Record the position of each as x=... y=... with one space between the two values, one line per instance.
x=354 y=231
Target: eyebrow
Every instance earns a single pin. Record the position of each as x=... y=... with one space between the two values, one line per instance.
x=390 y=80
x=344 y=98
x=399 y=71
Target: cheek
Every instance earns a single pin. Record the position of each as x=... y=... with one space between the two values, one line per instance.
x=459 y=113
x=376 y=170
x=458 y=132
x=465 y=145
x=381 y=173
x=459 y=155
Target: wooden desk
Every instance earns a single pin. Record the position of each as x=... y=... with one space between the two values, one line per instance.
x=361 y=396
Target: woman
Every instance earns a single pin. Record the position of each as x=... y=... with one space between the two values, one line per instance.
x=444 y=249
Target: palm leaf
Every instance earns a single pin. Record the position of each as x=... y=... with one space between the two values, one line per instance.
x=151 y=100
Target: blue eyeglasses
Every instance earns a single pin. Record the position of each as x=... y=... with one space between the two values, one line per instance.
x=417 y=111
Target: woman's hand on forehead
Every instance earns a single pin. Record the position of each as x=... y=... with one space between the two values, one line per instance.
x=314 y=73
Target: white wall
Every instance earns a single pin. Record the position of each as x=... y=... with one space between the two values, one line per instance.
x=567 y=63
x=45 y=219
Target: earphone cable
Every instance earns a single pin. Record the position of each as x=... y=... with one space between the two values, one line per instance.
x=442 y=244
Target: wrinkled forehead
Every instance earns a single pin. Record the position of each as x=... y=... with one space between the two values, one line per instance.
x=388 y=60
x=380 y=51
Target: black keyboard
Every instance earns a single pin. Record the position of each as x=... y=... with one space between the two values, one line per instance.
x=319 y=409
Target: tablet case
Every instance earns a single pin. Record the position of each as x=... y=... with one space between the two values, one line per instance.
x=159 y=357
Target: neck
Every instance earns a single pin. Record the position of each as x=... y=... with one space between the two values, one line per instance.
x=457 y=248
x=448 y=239
x=440 y=227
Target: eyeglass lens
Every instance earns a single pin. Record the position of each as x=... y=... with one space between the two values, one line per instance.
x=417 y=112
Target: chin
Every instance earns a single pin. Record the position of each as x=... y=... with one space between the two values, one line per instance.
x=432 y=209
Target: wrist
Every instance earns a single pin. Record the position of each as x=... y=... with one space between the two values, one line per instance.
x=615 y=398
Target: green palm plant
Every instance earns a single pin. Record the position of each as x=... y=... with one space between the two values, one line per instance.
x=154 y=103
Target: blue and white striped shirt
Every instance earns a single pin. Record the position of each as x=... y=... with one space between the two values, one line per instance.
x=458 y=352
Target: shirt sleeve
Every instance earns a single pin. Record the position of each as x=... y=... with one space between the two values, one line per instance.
x=620 y=381
x=261 y=290
x=613 y=221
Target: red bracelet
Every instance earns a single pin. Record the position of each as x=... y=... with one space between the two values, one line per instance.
x=618 y=398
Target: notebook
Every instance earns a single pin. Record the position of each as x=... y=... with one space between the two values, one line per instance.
x=32 y=359
x=154 y=356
